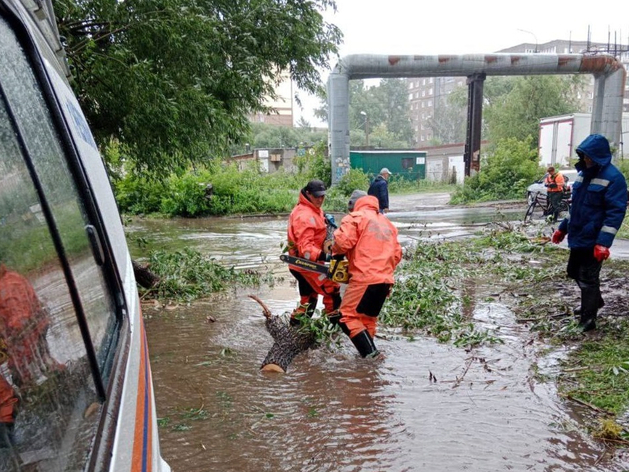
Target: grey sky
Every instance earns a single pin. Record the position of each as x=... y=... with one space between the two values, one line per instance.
x=468 y=27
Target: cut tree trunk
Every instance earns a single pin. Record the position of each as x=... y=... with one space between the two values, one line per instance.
x=288 y=341
x=143 y=275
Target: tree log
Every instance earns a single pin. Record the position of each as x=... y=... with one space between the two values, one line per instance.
x=288 y=341
x=143 y=275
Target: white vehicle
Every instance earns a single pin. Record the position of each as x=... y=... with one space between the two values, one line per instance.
x=76 y=392
x=538 y=186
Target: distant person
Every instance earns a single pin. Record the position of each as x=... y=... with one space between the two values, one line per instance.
x=307 y=231
x=379 y=188
x=599 y=204
x=554 y=183
x=369 y=241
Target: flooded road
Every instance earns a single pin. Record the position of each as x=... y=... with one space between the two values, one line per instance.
x=425 y=407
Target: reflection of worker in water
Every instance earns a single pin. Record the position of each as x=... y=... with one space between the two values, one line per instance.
x=24 y=323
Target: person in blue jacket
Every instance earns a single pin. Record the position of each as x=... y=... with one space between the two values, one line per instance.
x=379 y=188
x=599 y=204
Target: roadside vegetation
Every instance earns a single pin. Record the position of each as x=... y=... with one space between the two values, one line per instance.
x=216 y=189
x=245 y=192
x=188 y=275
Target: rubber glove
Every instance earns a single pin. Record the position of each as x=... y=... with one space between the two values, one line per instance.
x=601 y=253
x=558 y=236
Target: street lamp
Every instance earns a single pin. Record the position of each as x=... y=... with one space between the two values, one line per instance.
x=366 y=127
x=525 y=31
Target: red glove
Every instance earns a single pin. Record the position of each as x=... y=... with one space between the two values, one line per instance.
x=558 y=236
x=601 y=253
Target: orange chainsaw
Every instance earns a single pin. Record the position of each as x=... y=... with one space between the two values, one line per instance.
x=336 y=270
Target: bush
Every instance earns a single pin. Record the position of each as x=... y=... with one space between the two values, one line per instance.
x=504 y=175
x=233 y=192
x=186 y=196
x=355 y=179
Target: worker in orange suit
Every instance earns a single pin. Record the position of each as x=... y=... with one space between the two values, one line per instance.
x=369 y=241
x=307 y=231
x=555 y=184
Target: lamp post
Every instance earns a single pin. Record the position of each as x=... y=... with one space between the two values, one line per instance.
x=532 y=34
x=366 y=127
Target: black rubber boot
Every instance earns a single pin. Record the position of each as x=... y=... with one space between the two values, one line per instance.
x=365 y=345
x=588 y=323
x=601 y=304
x=6 y=435
x=590 y=302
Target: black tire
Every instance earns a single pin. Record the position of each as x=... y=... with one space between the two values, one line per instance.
x=528 y=216
x=530 y=197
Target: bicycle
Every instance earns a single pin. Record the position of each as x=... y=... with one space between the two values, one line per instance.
x=540 y=205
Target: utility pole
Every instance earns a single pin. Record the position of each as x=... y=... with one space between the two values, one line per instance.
x=366 y=127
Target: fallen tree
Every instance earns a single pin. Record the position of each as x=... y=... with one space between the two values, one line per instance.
x=288 y=341
x=143 y=275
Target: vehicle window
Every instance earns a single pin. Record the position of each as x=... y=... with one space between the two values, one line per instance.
x=48 y=401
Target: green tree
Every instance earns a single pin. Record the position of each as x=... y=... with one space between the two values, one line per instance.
x=263 y=135
x=393 y=95
x=505 y=173
x=450 y=119
x=516 y=112
x=173 y=81
x=382 y=108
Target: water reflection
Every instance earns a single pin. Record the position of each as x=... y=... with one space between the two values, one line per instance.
x=427 y=406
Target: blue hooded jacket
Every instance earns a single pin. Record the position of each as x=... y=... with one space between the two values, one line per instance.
x=599 y=197
x=380 y=189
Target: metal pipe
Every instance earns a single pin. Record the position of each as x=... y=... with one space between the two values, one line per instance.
x=606 y=117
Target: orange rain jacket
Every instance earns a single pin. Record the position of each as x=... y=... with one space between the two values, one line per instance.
x=554 y=183
x=370 y=243
x=306 y=231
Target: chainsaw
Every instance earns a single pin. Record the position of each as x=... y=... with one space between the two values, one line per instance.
x=336 y=270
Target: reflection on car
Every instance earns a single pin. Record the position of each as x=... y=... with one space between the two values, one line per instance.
x=538 y=186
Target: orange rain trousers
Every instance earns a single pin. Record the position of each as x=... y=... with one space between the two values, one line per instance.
x=319 y=284
x=361 y=305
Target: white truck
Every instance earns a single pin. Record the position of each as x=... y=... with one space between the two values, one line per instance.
x=559 y=137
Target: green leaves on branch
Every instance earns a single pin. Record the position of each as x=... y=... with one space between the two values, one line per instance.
x=175 y=80
x=187 y=275
x=515 y=105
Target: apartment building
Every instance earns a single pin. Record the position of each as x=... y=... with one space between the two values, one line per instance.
x=282 y=105
x=428 y=94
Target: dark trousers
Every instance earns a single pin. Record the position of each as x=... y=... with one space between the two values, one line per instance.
x=585 y=270
x=554 y=199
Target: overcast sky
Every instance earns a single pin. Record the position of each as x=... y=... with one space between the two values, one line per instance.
x=468 y=27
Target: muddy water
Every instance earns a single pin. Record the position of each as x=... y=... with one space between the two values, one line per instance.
x=426 y=407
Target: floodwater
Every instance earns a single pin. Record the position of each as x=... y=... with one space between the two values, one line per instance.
x=425 y=407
